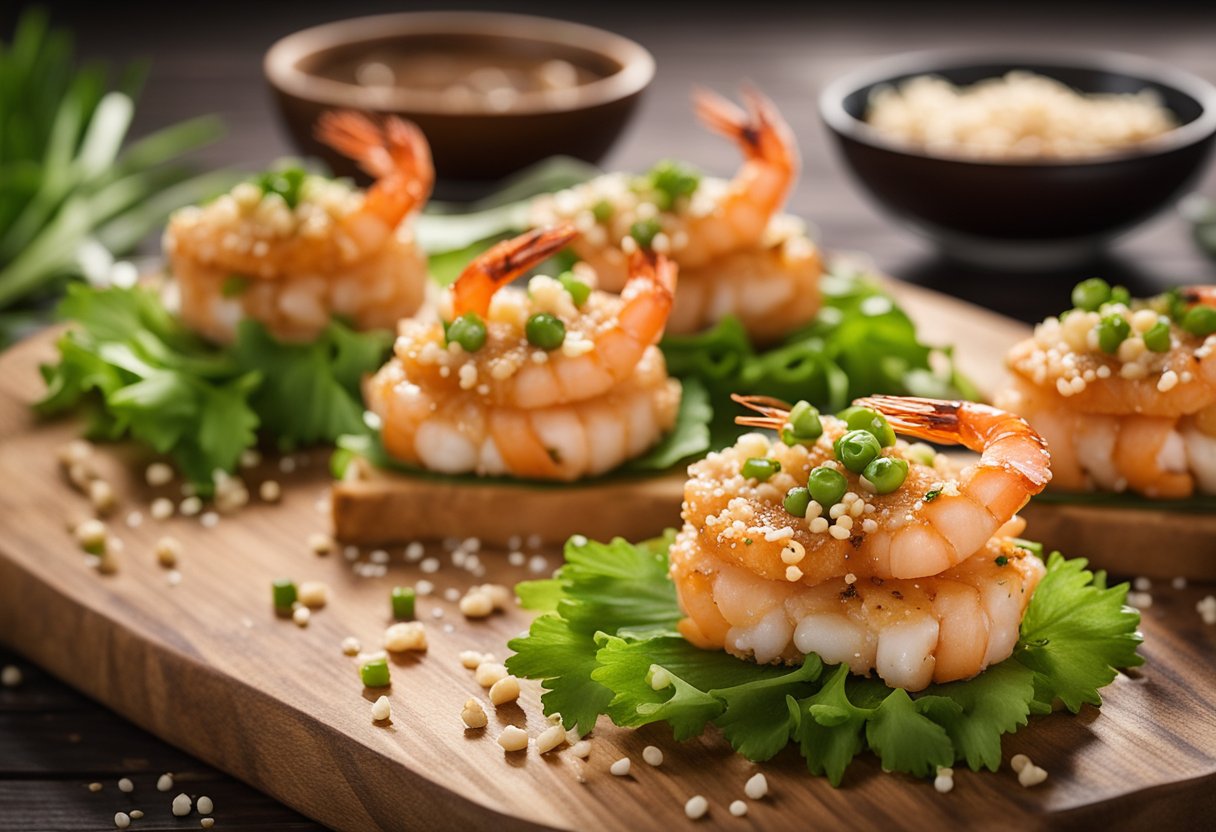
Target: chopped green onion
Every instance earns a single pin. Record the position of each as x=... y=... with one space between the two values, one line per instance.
x=1157 y=338
x=857 y=449
x=1001 y=560
x=673 y=180
x=797 y=500
x=374 y=673
x=1200 y=320
x=868 y=419
x=827 y=486
x=234 y=285
x=579 y=291
x=760 y=468
x=469 y=330
x=804 y=425
x=644 y=231
x=1112 y=331
x=545 y=331
x=285 y=594
x=287 y=183
x=886 y=473
x=1091 y=294
x=603 y=211
x=403 y=602
x=931 y=495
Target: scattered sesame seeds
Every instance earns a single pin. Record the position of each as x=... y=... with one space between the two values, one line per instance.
x=738 y=808
x=1018 y=762
x=1178 y=582
x=430 y=566
x=351 y=646
x=1139 y=600
x=473 y=715
x=313 y=594
x=122 y=820
x=621 y=767
x=162 y=508
x=320 y=543
x=504 y=691
x=424 y=587
x=476 y=604
x=756 y=786
x=209 y=519
x=470 y=659
x=301 y=616
x=659 y=677
x=581 y=749
x=793 y=574
x=102 y=496
x=190 y=506
x=382 y=709
x=181 y=805
x=1031 y=775
x=405 y=636
x=414 y=552
x=270 y=491
x=1167 y=382
x=513 y=739
x=10 y=676
x=538 y=564
x=1142 y=584
x=488 y=673
x=1207 y=609
x=696 y=807
x=174 y=577
x=91 y=535
x=205 y=805
x=125 y=785
x=652 y=755
x=517 y=558
x=550 y=738
x=206 y=823
x=158 y=474
x=168 y=550
x=94 y=787
x=943 y=784
x=164 y=783
x=136 y=814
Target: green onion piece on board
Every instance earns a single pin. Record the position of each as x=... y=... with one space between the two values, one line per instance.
x=374 y=673
x=285 y=594
x=403 y=602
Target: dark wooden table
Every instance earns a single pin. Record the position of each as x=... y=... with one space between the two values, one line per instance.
x=206 y=58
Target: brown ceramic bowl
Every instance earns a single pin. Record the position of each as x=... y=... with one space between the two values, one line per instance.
x=316 y=69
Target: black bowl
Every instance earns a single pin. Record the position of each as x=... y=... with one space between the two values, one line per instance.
x=1025 y=213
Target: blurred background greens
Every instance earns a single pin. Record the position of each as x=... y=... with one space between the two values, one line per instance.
x=75 y=194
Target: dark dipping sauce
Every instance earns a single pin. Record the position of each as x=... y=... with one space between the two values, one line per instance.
x=466 y=73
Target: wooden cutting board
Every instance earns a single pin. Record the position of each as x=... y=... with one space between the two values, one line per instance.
x=207 y=666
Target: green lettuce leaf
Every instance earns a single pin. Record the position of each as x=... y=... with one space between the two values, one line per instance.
x=607 y=633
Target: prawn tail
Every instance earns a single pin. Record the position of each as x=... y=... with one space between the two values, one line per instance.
x=505 y=261
x=760 y=130
x=931 y=419
x=393 y=151
x=773 y=412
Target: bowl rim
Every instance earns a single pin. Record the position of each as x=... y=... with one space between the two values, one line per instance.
x=279 y=63
x=929 y=62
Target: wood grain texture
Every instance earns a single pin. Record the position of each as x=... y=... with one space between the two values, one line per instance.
x=207 y=666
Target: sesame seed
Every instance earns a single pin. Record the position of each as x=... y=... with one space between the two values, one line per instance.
x=205 y=805
x=122 y=820
x=181 y=805
x=621 y=767
x=581 y=749
x=488 y=673
x=94 y=787
x=136 y=814
x=476 y=604
x=320 y=543
x=1018 y=762
x=206 y=823
x=351 y=646
x=164 y=783
x=473 y=714
x=513 y=739
x=839 y=532
x=209 y=519
x=517 y=558
x=168 y=550
x=405 y=636
x=550 y=738
x=11 y=676
x=504 y=691
x=1178 y=582
x=382 y=709
x=943 y=784
x=301 y=616
x=1167 y=382
x=1142 y=584
x=430 y=566
x=190 y=506
x=270 y=491
x=696 y=807
x=756 y=786
x=652 y=755
x=738 y=808
x=125 y=785
x=1031 y=775
x=793 y=573
x=157 y=474
x=162 y=508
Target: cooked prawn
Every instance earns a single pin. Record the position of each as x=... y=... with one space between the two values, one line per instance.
x=911 y=632
x=1133 y=419
x=937 y=518
x=511 y=408
x=293 y=258
x=723 y=234
x=605 y=338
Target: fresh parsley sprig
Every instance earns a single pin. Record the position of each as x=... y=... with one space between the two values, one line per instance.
x=607 y=628
x=140 y=373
